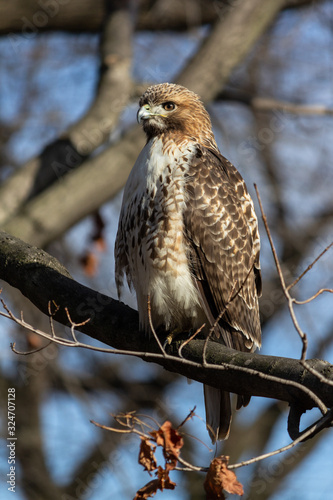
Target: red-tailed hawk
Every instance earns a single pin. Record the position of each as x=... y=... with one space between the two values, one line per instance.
x=188 y=236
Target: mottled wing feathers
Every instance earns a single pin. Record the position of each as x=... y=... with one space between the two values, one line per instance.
x=221 y=228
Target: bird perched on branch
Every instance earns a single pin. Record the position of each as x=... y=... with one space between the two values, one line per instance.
x=188 y=238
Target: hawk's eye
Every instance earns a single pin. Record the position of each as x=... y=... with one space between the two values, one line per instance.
x=168 y=106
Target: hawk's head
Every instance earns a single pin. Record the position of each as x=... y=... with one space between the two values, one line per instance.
x=168 y=107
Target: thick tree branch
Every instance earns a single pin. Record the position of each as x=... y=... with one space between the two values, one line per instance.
x=42 y=279
x=82 y=191
x=68 y=152
x=232 y=37
x=28 y=17
x=267 y=104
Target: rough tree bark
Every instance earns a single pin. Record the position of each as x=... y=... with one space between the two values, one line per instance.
x=42 y=279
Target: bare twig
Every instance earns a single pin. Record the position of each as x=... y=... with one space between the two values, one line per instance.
x=152 y=326
x=231 y=297
x=113 y=429
x=51 y=314
x=145 y=424
x=310 y=266
x=290 y=299
x=187 y=341
x=324 y=421
x=26 y=353
x=71 y=343
x=132 y=421
x=273 y=378
x=188 y=417
x=212 y=329
x=322 y=290
x=190 y=467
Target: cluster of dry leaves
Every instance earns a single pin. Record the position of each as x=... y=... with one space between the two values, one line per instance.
x=218 y=477
x=171 y=442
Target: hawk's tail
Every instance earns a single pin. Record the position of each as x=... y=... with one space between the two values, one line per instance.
x=218 y=413
x=242 y=401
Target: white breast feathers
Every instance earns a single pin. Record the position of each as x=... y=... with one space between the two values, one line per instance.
x=152 y=235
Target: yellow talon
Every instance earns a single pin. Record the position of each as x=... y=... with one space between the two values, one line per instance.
x=171 y=336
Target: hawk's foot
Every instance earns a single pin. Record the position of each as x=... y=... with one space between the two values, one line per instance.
x=171 y=336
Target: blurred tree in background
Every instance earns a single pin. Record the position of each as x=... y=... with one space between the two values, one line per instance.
x=71 y=75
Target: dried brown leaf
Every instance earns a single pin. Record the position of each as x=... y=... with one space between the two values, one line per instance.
x=146 y=455
x=220 y=478
x=165 y=482
x=162 y=482
x=148 y=490
x=171 y=441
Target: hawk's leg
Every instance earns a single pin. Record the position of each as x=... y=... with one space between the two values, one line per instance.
x=171 y=336
x=177 y=332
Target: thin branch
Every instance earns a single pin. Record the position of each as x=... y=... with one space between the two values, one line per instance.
x=221 y=314
x=51 y=314
x=322 y=290
x=319 y=403
x=187 y=341
x=190 y=467
x=113 y=429
x=231 y=297
x=152 y=326
x=145 y=424
x=188 y=417
x=282 y=280
x=324 y=421
x=132 y=420
x=75 y=325
x=71 y=343
x=310 y=266
x=26 y=353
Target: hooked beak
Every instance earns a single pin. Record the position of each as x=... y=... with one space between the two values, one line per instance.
x=143 y=113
